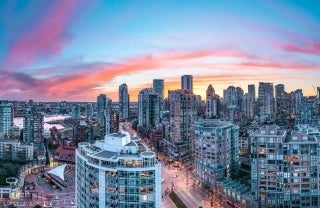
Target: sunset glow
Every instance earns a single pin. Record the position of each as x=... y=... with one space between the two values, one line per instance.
x=74 y=50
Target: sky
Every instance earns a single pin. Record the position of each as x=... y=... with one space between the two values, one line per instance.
x=75 y=50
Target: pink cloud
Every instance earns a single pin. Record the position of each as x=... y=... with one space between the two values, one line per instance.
x=309 y=48
x=86 y=84
x=45 y=38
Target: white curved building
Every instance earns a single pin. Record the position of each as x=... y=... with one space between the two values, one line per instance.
x=117 y=172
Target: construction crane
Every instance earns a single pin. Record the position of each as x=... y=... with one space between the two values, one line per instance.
x=315 y=91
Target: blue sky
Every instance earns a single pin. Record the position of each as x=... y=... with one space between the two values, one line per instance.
x=74 y=50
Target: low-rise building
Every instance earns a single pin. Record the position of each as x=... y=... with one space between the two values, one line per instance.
x=15 y=150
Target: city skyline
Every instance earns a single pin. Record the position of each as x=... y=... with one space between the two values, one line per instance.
x=76 y=50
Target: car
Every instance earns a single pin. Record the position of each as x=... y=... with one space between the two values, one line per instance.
x=162 y=180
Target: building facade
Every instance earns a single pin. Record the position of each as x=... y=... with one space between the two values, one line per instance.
x=216 y=150
x=252 y=91
x=124 y=102
x=6 y=117
x=33 y=127
x=149 y=108
x=15 y=150
x=211 y=103
x=117 y=172
x=158 y=87
x=265 y=102
x=89 y=110
x=104 y=111
x=182 y=112
x=187 y=82
x=284 y=167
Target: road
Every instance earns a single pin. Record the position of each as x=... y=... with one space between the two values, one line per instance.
x=188 y=192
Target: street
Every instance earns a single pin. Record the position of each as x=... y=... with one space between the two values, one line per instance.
x=176 y=179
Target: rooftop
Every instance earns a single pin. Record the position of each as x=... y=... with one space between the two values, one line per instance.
x=210 y=123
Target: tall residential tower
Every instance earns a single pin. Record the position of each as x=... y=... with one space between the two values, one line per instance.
x=187 y=82
x=117 y=172
x=124 y=102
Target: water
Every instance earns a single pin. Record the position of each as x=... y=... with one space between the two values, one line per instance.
x=18 y=121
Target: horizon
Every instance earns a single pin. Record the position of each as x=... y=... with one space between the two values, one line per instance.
x=72 y=51
x=203 y=97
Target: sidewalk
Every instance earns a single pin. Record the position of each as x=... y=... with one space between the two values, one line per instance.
x=167 y=202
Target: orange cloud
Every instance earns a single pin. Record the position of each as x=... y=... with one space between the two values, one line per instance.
x=88 y=81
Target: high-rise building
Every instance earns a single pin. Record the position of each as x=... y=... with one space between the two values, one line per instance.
x=6 y=117
x=298 y=98
x=233 y=99
x=76 y=110
x=183 y=112
x=284 y=167
x=248 y=106
x=104 y=114
x=33 y=127
x=283 y=105
x=124 y=102
x=187 y=82
x=266 y=101
x=317 y=102
x=117 y=172
x=149 y=108
x=82 y=132
x=89 y=110
x=211 y=103
x=114 y=122
x=252 y=91
x=101 y=106
x=280 y=95
x=216 y=150
x=158 y=87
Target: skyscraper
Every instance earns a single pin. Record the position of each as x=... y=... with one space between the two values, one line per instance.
x=187 y=82
x=124 y=102
x=233 y=99
x=211 y=103
x=158 y=86
x=248 y=106
x=180 y=143
x=104 y=114
x=149 y=108
x=298 y=96
x=6 y=117
x=76 y=110
x=252 y=91
x=101 y=105
x=33 y=125
x=117 y=172
x=89 y=110
x=317 y=102
x=266 y=101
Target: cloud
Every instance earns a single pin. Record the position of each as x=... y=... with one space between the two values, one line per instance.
x=92 y=79
x=308 y=48
x=46 y=37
